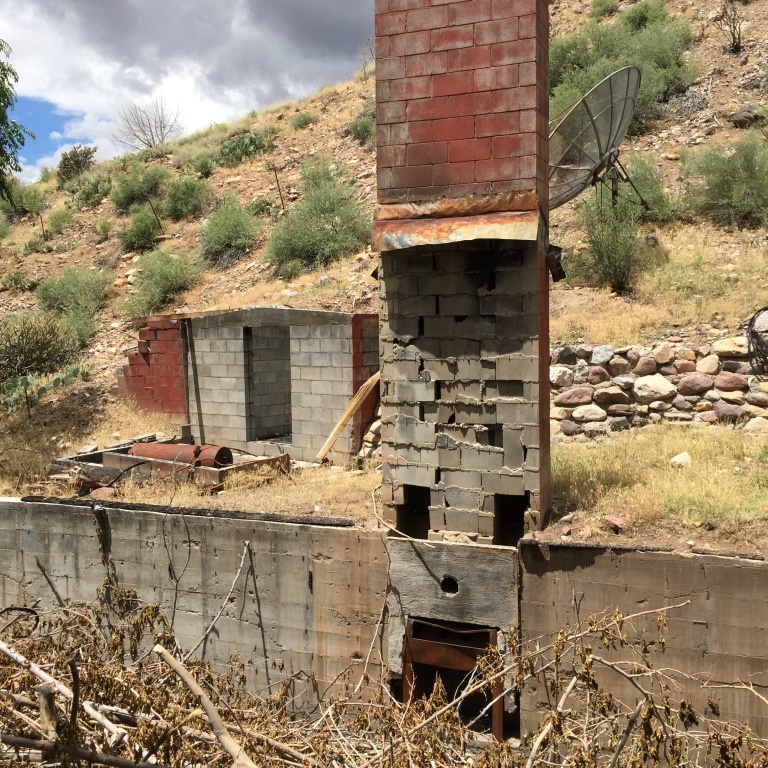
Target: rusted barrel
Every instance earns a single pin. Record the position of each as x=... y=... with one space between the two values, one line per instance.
x=181 y=453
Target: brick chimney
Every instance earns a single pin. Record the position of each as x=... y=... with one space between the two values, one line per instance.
x=461 y=222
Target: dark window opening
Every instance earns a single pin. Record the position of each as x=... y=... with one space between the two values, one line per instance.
x=510 y=388
x=413 y=514
x=496 y=436
x=509 y=519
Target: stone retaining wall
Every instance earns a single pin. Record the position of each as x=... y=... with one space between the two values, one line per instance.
x=600 y=390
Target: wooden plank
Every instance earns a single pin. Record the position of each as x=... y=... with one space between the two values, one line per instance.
x=352 y=409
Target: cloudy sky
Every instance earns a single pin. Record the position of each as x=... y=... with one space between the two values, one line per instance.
x=80 y=61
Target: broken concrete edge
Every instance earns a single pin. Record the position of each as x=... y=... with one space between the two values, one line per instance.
x=221 y=514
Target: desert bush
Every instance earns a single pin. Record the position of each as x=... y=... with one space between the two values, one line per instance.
x=72 y=164
x=602 y=8
x=325 y=225
x=34 y=343
x=228 y=232
x=185 y=198
x=5 y=227
x=16 y=282
x=46 y=174
x=26 y=200
x=302 y=120
x=89 y=191
x=140 y=234
x=76 y=295
x=730 y=187
x=18 y=391
x=59 y=220
x=643 y=36
x=240 y=148
x=35 y=244
x=75 y=290
x=102 y=229
x=263 y=206
x=363 y=128
x=612 y=228
x=163 y=276
x=203 y=166
x=138 y=185
x=647 y=177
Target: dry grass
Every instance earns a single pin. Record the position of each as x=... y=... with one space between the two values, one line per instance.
x=321 y=491
x=60 y=426
x=725 y=488
x=708 y=275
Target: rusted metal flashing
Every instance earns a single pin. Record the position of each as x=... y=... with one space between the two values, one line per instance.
x=450 y=207
x=393 y=235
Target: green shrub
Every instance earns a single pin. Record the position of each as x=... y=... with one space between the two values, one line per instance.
x=59 y=220
x=643 y=36
x=77 y=161
x=326 y=224
x=602 y=8
x=16 y=282
x=46 y=174
x=88 y=192
x=263 y=206
x=731 y=188
x=26 y=199
x=162 y=278
x=203 y=166
x=185 y=198
x=363 y=128
x=76 y=295
x=290 y=270
x=35 y=244
x=240 y=148
x=19 y=391
x=140 y=234
x=138 y=186
x=647 y=177
x=229 y=231
x=102 y=229
x=75 y=290
x=612 y=236
x=34 y=343
x=5 y=227
x=302 y=120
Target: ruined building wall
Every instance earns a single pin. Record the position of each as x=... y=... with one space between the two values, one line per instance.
x=462 y=388
x=258 y=374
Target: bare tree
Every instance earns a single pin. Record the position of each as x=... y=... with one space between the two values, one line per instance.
x=728 y=21
x=147 y=124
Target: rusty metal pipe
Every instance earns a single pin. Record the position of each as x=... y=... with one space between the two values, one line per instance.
x=181 y=453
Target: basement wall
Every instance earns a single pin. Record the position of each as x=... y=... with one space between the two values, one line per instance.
x=309 y=598
x=720 y=635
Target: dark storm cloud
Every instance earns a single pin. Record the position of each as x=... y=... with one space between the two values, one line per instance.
x=262 y=49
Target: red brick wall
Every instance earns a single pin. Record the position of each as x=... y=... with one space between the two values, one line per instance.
x=462 y=98
x=154 y=374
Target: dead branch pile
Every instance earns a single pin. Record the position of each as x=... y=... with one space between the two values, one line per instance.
x=105 y=684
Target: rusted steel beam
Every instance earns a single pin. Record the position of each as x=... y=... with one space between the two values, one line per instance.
x=450 y=207
x=393 y=235
x=181 y=453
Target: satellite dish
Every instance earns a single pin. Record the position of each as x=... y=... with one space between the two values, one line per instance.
x=584 y=146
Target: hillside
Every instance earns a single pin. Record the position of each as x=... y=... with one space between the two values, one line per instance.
x=704 y=282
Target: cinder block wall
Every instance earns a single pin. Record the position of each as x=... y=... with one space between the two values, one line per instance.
x=263 y=373
x=462 y=98
x=269 y=370
x=460 y=341
x=154 y=374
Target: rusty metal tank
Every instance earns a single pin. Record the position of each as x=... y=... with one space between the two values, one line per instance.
x=197 y=455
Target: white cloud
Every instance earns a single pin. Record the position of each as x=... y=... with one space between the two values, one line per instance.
x=214 y=60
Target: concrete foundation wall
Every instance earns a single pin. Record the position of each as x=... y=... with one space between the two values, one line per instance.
x=308 y=598
x=720 y=636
